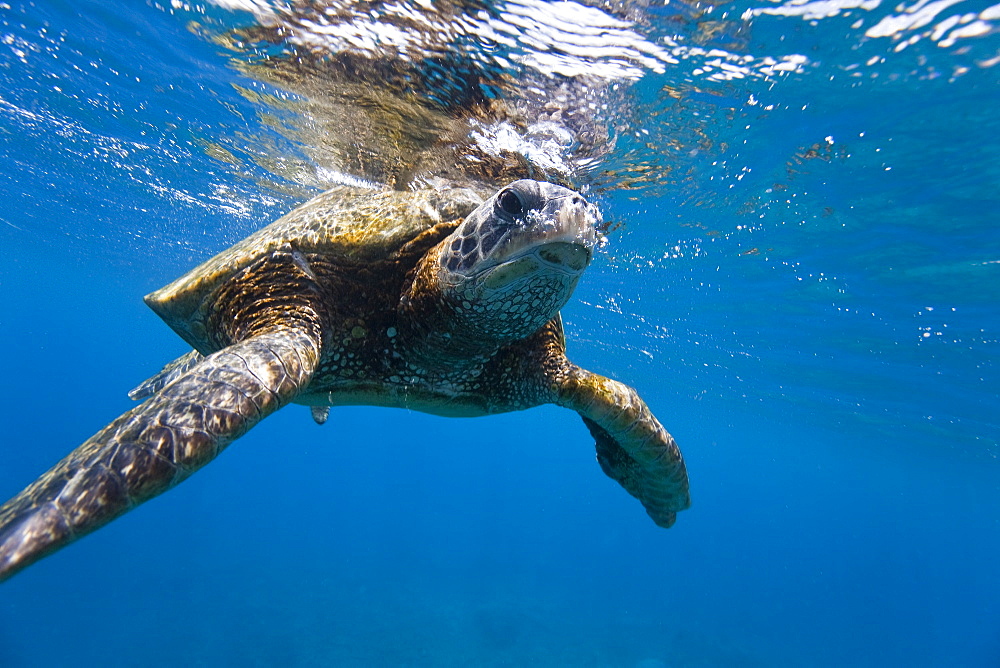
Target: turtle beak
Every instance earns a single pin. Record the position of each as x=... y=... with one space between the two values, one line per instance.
x=571 y=258
x=567 y=242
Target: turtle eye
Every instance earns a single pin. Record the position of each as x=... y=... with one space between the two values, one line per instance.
x=510 y=203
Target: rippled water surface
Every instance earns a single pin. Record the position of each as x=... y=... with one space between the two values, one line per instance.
x=802 y=278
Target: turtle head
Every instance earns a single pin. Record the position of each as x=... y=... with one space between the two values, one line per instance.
x=502 y=274
x=515 y=260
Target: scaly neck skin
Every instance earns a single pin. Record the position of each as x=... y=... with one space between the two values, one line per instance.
x=434 y=333
x=448 y=327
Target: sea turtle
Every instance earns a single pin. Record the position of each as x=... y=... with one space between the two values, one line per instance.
x=435 y=300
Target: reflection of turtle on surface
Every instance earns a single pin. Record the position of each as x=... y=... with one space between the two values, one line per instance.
x=428 y=300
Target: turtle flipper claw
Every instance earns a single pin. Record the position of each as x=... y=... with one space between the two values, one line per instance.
x=169 y=373
x=320 y=413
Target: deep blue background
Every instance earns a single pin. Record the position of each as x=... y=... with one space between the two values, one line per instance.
x=844 y=466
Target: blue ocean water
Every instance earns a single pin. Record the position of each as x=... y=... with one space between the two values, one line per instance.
x=803 y=284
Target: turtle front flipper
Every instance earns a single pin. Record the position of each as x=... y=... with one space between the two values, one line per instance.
x=156 y=445
x=633 y=448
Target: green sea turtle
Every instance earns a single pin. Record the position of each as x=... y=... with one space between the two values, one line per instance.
x=435 y=300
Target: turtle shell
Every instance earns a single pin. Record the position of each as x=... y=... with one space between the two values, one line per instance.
x=345 y=223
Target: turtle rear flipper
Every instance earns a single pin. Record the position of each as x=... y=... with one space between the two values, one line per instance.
x=633 y=448
x=169 y=373
x=156 y=445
